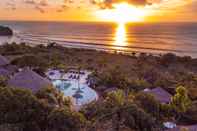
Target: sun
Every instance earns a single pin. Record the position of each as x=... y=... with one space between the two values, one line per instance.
x=123 y=13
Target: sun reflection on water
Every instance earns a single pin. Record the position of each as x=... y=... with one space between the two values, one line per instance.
x=120 y=36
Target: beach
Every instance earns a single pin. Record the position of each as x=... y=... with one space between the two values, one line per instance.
x=150 y=38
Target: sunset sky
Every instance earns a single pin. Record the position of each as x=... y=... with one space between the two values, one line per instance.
x=99 y=10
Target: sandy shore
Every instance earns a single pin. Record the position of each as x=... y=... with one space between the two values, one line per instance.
x=36 y=40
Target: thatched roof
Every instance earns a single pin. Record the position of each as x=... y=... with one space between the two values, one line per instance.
x=8 y=70
x=28 y=79
x=3 y=61
x=160 y=94
x=11 y=68
x=4 y=72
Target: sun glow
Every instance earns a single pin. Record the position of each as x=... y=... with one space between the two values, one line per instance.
x=123 y=13
x=120 y=36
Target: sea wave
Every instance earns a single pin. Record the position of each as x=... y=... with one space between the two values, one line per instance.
x=42 y=39
x=179 y=38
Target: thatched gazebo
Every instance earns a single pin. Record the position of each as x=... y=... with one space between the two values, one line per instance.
x=29 y=80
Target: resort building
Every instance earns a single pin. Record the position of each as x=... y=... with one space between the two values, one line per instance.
x=28 y=79
x=160 y=94
x=3 y=61
x=6 y=70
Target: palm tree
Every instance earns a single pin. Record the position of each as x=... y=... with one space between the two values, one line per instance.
x=78 y=95
x=78 y=78
x=181 y=101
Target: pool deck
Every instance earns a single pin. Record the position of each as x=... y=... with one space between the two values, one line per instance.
x=78 y=89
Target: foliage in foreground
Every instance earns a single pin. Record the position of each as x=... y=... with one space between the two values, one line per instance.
x=122 y=113
x=21 y=109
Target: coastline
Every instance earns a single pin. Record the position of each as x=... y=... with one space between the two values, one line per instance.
x=33 y=40
x=155 y=39
x=128 y=50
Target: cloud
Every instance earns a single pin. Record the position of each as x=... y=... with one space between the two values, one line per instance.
x=38 y=5
x=68 y=1
x=109 y=3
x=11 y=5
x=63 y=5
x=40 y=9
x=43 y=3
x=30 y=2
x=63 y=8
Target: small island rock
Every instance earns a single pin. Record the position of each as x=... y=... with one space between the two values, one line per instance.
x=5 y=31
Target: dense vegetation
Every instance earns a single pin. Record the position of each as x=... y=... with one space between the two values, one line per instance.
x=22 y=110
x=123 y=108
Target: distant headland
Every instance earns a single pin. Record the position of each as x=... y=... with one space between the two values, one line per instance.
x=5 y=31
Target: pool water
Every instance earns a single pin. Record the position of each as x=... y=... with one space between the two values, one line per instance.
x=81 y=93
x=61 y=84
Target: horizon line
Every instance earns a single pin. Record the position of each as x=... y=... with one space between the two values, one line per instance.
x=83 y=21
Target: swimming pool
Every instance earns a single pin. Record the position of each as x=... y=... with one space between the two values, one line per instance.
x=80 y=92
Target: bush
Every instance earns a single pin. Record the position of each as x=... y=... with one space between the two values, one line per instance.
x=153 y=107
x=65 y=120
x=20 y=106
x=139 y=84
x=54 y=97
x=121 y=112
x=20 y=109
x=168 y=59
x=30 y=61
x=135 y=118
x=3 y=81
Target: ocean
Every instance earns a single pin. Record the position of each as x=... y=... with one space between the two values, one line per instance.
x=156 y=38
